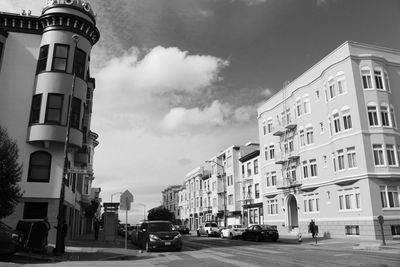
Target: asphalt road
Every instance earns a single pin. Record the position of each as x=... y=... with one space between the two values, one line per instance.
x=206 y=251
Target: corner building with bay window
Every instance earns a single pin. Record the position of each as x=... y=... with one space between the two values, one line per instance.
x=330 y=146
x=41 y=64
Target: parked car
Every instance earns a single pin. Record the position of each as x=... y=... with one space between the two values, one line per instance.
x=182 y=229
x=209 y=229
x=232 y=231
x=259 y=232
x=158 y=234
x=10 y=240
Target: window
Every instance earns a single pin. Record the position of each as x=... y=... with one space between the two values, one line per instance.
x=271 y=151
x=321 y=126
x=313 y=168
x=378 y=155
x=35 y=210
x=395 y=229
x=334 y=162
x=351 y=157
x=255 y=166
x=264 y=129
x=54 y=108
x=366 y=78
x=346 y=119
x=79 y=63
x=60 y=57
x=248 y=169
x=310 y=136
x=39 y=167
x=336 y=122
x=385 y=116
x=387 y=84
x=341 y=85
x=311 y=203
x=390 y=196
x=272 y=207
x=269 y=126
x=257 y=190
x=230 y=199
x=392 y=117
x=391 y=155
x=266 y=153
x=352 y=230
x=243 y=172
x=340 y=160
x=372 y=116
x=35 y=109
x=298 y=108
x=307 y=106
x=349 y=199
x=271 y=180
x=378 y=79
x=305 y=169
x=332 y=89
x=42 y=60
x=301 y=134
x=75 y=112
x=317 y=95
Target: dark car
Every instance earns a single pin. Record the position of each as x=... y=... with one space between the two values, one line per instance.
x=158 y=234
x=182 y=229
x=10 y=240
x=259 y=232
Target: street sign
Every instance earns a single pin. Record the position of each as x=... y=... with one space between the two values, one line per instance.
x=125 y=200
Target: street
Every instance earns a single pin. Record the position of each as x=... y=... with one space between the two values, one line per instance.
x=214 y=251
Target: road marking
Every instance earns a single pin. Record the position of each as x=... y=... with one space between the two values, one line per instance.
x=342 y=254
x=263 y=250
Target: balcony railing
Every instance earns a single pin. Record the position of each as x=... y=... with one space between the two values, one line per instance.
x=288 y=183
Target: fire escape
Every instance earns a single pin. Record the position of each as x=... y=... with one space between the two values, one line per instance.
x=288 y=157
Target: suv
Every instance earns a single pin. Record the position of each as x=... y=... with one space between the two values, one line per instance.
x=208 y=228
x=158 y=234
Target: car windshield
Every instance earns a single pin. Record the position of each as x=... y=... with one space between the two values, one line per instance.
x=160 y=227
x=268 y=227
x=211 y=225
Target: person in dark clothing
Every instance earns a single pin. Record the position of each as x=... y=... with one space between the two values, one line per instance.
x=96 y=226
x=311 y=228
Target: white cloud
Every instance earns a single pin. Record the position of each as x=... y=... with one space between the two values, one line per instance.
x=16 y=6
x=245 y=114
x=214 y=115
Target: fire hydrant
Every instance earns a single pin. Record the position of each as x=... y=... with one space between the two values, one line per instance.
x=299 y=237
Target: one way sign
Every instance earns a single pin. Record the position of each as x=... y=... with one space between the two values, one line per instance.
x=125 y=200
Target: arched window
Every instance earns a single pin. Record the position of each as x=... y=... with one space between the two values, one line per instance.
x=385 y=114
x=378 y=78
x=39 y=167
x=341 y=83
x=372 y=114
x=347 y=124
x=331 y=86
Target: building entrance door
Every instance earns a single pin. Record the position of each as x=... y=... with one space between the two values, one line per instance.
x=293 y=217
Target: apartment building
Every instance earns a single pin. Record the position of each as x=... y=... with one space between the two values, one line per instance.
x=192 y=203
x=44 y=65
x=170 y=199
x=330 y=146
x=250 y=184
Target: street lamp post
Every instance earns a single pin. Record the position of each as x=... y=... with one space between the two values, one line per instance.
x=224 y=185
x=59 y=249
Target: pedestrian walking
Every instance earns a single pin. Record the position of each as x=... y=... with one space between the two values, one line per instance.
x=96 y=226
x=48 y=227
x=311 y=228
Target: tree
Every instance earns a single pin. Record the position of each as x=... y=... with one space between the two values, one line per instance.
x=161 y=214
x=10 y=174
x=91 y=210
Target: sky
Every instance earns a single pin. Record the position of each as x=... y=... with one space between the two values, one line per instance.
x=178 y=81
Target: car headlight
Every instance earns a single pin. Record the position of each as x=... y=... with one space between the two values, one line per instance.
x=178 y=236
x=154 y=238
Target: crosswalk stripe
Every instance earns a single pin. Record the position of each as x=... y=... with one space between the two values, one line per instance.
x=263 y=250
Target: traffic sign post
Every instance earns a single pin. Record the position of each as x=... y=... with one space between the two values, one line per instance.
x=125 y=201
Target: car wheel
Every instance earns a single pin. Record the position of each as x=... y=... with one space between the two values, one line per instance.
x=244 y=237
x=198 y=233
x=231 y=235
x=275 y=239
x=179 y=248
x=148 y=247
x=208 y=234
x=257 y=238
x=221 y=235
